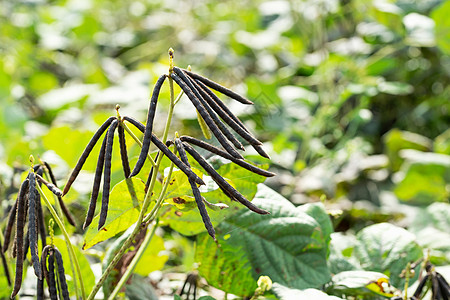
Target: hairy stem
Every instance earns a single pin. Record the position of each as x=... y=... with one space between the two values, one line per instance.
x=66 y=237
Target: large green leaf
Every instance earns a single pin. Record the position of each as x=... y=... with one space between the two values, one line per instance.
x=341 y=250
x=289 y=245
x=125 y=203
x=387 y=249
x=285 y=293
x=431 y=227
x=436 y=215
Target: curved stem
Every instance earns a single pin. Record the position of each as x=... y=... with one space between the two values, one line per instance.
x=145 y=205
x=66 y=237
x=148 y=237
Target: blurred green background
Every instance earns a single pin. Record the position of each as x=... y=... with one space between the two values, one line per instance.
x=352 y=97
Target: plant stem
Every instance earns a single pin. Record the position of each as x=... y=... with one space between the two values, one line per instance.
x=66 y=237
x=145 y=205
x=148 y=237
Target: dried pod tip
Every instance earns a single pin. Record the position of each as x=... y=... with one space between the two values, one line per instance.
x=171 y=60
x=117 y=110
x=31 y=158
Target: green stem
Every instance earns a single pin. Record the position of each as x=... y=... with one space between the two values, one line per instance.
x=66 y=237
x=145 y=205
x=148 y=237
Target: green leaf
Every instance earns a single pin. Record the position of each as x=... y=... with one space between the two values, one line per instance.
x=85 y=266
x=224 y=267
x=397 y=140
x=152 y=259
x=284 y=293
x=205 y=129
x=436 y=215
x=140 y=289
x=442 y=26
x=387 y=249
x=359 y=283
x=125 y=203
x=68 y=143
x=431 y=228
x=289 y=246
x=206 y=298
x=4 y=292
x=341 y=250
x=427 y=176
x=176 y=297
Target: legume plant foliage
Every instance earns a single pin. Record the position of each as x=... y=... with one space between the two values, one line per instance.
x=251 y=241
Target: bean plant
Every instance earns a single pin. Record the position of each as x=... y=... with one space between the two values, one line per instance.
x=211 y=111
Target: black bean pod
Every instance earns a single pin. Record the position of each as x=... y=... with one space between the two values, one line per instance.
x=160 y=145
x=214 y=101
x=96 y=186
x=180 y=78
x=149 y=126
x=226 y=112
x=222 y=127
x=123 y=151
x=52 y=289
x=107 y=174
x=20 y=224
x=218 y=87
x=86 y=153
x=10 y=225
x=61 y=275
x=230 y=191
x=220 y=152
x=32 y=224
x=53 y=188
x=196 y=192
